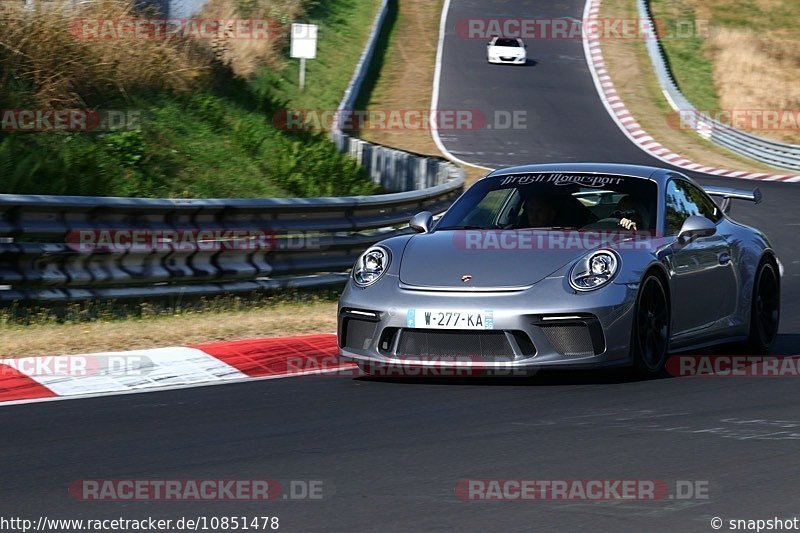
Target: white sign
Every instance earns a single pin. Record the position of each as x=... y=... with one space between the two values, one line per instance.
x=304 y=41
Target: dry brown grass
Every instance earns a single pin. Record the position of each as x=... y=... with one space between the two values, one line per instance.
x=245 y=56
x=54 y=49
x=44 y=49
x=757 y=72
x=630 y=69
x=182 y=329
x=753 y=48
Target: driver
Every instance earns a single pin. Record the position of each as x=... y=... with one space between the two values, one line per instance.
x=540 y=213
x=629 y=214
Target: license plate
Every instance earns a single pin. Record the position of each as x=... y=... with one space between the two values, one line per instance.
x=440 y=319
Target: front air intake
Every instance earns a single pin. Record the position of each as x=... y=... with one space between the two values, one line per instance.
x=435 y=344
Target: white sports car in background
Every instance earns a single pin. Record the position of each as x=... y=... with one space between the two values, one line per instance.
x=508 y=51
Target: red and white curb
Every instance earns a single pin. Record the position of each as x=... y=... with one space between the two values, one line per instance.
x=28 y=379
x=627 y=123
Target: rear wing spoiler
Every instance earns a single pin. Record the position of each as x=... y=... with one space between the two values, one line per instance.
x=727 y=194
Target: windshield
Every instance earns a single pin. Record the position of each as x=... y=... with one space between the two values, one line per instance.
x=555 y=201
x=507 y=42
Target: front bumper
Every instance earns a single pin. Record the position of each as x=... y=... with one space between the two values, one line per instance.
x=545 y=326
x=507 y=60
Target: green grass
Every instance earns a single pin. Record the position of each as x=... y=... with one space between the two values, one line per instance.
x=344 y=29
x=686 y=55
x=747 y=14
x=219 y=140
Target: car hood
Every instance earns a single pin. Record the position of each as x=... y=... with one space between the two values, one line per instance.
x=507 y=50
x=493 y=259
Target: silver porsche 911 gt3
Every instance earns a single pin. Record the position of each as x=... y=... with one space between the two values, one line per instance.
x=572 y=265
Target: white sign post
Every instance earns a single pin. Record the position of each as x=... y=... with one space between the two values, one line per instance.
x=304 y=46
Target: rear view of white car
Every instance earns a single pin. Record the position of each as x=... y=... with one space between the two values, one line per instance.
x=506 y=51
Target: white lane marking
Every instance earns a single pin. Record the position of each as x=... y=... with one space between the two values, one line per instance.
x=158 y=367
x=437 y=74
x=170 y=387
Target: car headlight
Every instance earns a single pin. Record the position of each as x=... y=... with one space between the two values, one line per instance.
x=594 y=270
x=370 y=266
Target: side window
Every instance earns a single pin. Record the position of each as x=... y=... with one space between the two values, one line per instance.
x=679 y=207
x=685 y=200
x=488 y=211
x=708 y=208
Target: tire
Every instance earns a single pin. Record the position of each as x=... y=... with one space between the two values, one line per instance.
x=765 y=310
x=651 y=327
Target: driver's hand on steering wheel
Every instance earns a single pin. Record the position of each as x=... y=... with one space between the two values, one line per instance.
x=627 y=224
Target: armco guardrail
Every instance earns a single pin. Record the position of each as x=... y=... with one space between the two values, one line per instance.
x=250 y=244
x=71 y=248
x=777 y=154
x=397 y=170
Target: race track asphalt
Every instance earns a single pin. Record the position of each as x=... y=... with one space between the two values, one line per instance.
x=390 y=452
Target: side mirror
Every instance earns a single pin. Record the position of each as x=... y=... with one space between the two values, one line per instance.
x=421 y=222
x=695 y=227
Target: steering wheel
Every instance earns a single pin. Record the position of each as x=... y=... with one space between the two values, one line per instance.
x=604 y=223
